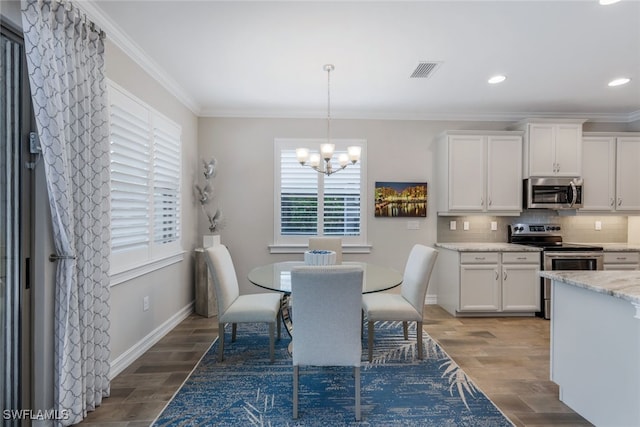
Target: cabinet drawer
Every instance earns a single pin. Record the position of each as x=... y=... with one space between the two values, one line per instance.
x=521 y=257
x=621 y=257
x=479 y=257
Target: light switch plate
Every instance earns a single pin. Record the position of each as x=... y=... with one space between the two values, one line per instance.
x=494 y=225
x=465 y=225
x=598 y=225
x=452 y=225
x=413 y=225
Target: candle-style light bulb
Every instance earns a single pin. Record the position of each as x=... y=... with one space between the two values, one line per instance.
x=343 y=159
x=354 y=153
x=302 y=154
x=314 y=160
x=327 y=151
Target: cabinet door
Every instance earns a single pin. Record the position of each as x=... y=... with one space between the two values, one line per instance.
x=466 y=173
x=479 y=287
x=598 y=172
x=520 y=287
x=628 y=174
x=541 y=149
x=504 y=171
x=568 y=149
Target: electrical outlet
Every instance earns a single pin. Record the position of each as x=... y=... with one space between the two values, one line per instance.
x=465 y=225
x=494 y=225
x=452 y=225
x=598 y=225
x=145 y=303
x=413 y=225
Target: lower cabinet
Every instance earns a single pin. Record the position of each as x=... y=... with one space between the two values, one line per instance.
x=622 y=260
x=489 y=282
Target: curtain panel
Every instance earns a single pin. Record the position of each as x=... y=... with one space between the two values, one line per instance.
x=65 y=61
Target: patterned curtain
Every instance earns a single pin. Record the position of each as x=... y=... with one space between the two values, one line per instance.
x=65 y=60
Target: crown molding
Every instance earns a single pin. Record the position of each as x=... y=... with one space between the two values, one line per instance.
x=120 y=38
x=469 y=117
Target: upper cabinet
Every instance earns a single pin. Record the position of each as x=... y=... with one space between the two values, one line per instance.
x=551 y=148
x=611 y=172
x=479 y=172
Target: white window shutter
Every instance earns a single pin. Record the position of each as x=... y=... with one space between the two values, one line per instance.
x=166 y=183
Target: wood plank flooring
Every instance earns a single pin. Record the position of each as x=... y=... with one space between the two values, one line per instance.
x=508 y=358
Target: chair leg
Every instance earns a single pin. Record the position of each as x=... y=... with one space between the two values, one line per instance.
x=278 y=321
x=234 y=329
x=272 y=328
x=220 y=341
x=405 y=330
x=357 y=379
x=419 y=338
x=370 y=330
x=295 y=391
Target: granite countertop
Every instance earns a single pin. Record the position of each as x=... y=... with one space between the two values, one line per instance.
x=619 y=284
x=614 y=247
x=486 y=247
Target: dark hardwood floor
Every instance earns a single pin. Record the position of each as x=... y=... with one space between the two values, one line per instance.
x=508 y=358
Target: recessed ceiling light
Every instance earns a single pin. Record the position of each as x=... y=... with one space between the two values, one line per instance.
x=608 y=2
x=620 y=81
x=497 y=79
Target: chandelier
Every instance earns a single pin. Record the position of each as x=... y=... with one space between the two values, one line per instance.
x=314 y=160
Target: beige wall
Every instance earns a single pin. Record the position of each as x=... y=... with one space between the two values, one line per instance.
x=396 y=151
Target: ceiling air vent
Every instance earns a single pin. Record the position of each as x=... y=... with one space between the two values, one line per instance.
x=424 y=70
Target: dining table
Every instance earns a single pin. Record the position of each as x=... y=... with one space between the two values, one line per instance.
x=277 y=277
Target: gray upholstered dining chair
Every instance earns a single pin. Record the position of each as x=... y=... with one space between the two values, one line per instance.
x=235 y=308
x=327 y=244
x=328 y=301
x=408 y=305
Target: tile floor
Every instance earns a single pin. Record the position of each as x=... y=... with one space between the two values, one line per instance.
x=508 y=358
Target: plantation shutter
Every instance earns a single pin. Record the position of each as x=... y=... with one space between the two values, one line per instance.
x=342 y=202
x=298 y=197
x=130 y=175
x=166 y=182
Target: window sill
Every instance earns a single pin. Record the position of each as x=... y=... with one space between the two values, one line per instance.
x=145 y=268
x=299 y=249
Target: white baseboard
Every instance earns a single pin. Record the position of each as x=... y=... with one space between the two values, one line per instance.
x=128 y=357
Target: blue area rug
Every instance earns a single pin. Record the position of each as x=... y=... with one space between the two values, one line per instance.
x=397 y=388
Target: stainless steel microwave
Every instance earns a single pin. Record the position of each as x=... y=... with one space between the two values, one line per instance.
x=553 y=193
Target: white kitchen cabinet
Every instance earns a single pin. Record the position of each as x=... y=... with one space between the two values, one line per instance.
x=480 y=173
x=623 y=260
x=520 y=281
x=499 y=283
x=552 y=149
x=611 y=173
x=628 y=174
x=480 y=281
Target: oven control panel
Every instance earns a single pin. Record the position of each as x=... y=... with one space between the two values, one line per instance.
x=536 y=229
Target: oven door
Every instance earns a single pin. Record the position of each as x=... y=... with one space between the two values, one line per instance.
x=567 y=261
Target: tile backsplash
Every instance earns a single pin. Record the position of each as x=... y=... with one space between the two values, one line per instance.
x=578 y=229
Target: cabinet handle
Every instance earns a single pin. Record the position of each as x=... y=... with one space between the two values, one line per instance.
x=612 y=202
x=619 y=201
x=522 y=257
x=504 y=275
x=479 y=258
x=621 y=258
x=497 y=274
x=490 y=201
x=481 y=201
x=557 y=167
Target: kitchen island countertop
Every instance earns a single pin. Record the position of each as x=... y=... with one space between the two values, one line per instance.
x=620 y=284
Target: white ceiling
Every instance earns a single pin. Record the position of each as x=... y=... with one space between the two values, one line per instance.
x=265 y=58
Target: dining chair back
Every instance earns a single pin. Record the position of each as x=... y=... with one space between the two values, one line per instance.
x=327 y=312
x=327 y=244
x=408 y=306
x=235 y=308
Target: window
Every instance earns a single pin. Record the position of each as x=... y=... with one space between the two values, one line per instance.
x=309 y=203
x=145 y=183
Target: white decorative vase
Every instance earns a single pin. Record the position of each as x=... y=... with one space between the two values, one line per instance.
x=320 y=257
x=209 y=240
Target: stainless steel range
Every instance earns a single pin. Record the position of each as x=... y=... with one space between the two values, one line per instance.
x=556 y=254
